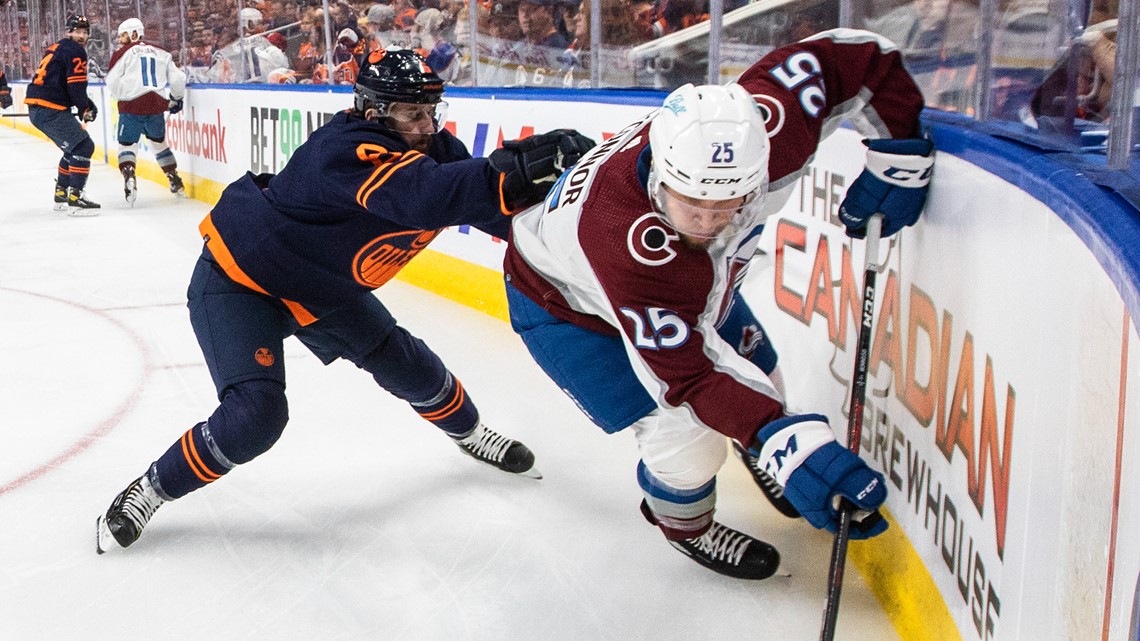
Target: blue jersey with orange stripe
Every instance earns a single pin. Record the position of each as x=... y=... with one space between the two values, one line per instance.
x=351 y=208
x=60 y=81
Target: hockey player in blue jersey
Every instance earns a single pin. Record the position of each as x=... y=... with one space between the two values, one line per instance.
x=60 y=84
x=299 y=253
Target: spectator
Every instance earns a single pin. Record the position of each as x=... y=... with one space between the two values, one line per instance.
x=441 y=55
x=541 y=24
x=680 y=14
x=382 y=32
x=312 y=50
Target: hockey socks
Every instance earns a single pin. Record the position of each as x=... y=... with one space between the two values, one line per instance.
x=681 y=514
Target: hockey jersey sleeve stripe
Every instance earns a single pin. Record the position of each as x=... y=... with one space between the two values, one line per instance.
x=225 y=260
x=381 y=175
x=449 y=409
x=503 y=197
x=40 y=102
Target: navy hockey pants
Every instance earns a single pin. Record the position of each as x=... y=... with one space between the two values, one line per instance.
x=65 y=131
x=241 y=333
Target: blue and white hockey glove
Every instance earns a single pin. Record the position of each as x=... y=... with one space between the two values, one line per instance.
x=801 y=453
x=174 y=106
x=894 y=184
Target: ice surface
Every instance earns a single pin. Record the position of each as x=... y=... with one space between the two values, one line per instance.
x=363 y=522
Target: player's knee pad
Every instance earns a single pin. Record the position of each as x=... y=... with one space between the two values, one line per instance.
x=83 y=151
x=250 y=419
x=683 y=456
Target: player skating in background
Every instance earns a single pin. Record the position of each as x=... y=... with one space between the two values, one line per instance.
x=287 y=255
x=5 y=91
x=59 y=84
x=625 y=284
x=147 y=84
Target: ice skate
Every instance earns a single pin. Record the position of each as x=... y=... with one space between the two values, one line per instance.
x=487 y=445
x=768 y=485
x=60 y=197
x=176 y=186
x=726 y=551
x=127 y=516
x=130 y=185
x=79 y=204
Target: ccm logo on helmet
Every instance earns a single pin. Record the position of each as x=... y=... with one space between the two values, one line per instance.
x=719 y=181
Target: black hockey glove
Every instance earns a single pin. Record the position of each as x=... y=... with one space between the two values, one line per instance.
x=174 y=106
x=530 y=166
x=5 y=98
x=90 y=113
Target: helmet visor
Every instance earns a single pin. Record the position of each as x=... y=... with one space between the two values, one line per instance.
x=412 y=118
x=706 y=219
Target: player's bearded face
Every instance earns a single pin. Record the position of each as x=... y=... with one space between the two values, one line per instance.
x=80 y=36
x=416 y=123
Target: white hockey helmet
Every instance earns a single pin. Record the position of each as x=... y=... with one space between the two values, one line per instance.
x=249 y=18
x=710 y=159
x=132 y=28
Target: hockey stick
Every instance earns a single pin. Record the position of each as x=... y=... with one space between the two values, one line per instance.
x=14 y=115
x=854 y=425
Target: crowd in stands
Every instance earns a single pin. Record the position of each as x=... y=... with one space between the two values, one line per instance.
x=551 y=43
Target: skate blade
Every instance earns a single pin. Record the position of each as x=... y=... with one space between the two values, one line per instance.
x=181 y=194
x=60 y=207
x=132 y=192
x=532 y=473
x=103 y=537
x=80 y=212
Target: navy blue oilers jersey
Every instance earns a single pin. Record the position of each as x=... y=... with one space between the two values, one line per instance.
x=351 y=208
x=60 y=81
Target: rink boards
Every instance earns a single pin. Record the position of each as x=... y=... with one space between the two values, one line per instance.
x=1004 y=362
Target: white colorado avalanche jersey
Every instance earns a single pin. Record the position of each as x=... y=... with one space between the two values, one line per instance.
x=595 y=254
x=142 y=68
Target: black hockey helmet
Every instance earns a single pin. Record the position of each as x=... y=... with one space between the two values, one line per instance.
x=398 y=75
x=78 y=22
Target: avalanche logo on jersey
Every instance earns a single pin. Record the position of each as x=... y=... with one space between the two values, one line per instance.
x=773 y=112
x=378 y=261
x=649 y=240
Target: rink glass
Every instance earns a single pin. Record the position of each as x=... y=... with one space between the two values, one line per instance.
x=1021 y=63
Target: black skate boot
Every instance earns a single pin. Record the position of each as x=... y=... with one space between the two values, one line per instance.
x=79 y=204
x=127 y=516
x=768 y=485
x=726 y=551
x=487 y=445
x=130 y=185
x=60 y=197
x=176 y=186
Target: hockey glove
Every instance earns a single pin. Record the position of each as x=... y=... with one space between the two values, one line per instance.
x=801 y=453
x=894 y=184
x=5 y=98
x=90 y=113
x=530 y=166
x=174 y=106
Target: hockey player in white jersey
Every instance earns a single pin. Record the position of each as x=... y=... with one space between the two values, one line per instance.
x=146 y=82
x=250 y=58
x=624 y=284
